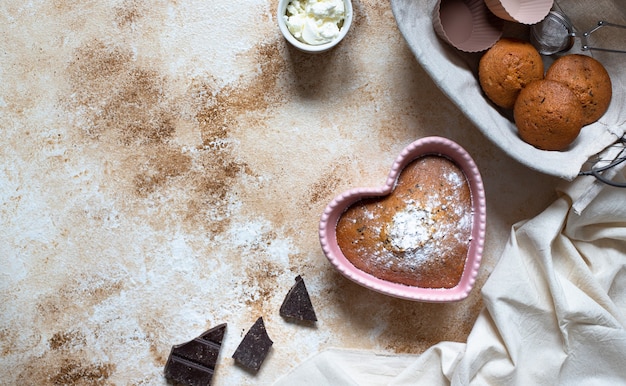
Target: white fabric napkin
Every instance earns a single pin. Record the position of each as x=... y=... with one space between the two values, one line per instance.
x=555 y=311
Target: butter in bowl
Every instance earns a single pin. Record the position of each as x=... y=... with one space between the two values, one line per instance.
x=314 y=26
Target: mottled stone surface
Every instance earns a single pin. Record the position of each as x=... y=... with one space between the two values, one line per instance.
x=164 y=167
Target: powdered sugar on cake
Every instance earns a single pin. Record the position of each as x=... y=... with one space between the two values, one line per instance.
x=411 y=228
x=416 y=235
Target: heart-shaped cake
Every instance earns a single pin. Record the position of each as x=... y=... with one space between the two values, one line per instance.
x=418 y=237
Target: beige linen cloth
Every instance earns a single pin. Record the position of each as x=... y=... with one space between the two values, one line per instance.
x=555 y=311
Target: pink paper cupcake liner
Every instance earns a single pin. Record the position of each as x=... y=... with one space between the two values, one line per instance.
x=467 y=25
x=520 y=11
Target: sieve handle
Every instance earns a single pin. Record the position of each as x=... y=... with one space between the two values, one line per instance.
x=583 y=37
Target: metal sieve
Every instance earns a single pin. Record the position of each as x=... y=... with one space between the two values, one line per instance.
x=556 y=34
x=553 y=34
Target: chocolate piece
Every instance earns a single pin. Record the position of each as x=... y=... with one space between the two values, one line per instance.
x=254 y=347
x=193 y=363
x=297 y=304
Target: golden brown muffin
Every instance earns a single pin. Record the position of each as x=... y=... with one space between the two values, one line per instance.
x=588 y=79
x=506 y=68
x=419 y=234
x=548 y=115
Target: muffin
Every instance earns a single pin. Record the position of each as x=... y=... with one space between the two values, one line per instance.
x=419 y=235
x=548 y=115
x=588 y=79
x=506 y=68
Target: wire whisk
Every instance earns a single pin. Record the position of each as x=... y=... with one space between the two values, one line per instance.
x=612 y=157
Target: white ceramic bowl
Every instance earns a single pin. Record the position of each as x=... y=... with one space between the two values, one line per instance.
x=347 y=22
x=421 y=147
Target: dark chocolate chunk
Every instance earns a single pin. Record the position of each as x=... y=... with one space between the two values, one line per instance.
x=193 y=363
x=254 y=347
x=297 y=304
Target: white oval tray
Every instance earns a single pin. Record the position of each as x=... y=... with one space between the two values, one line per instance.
x=455 y=74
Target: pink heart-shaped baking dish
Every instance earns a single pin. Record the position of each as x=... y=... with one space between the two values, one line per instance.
x=425 y=146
